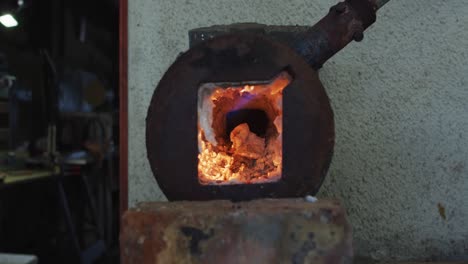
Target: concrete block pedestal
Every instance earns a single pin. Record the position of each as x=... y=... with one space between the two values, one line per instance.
x=259 y=231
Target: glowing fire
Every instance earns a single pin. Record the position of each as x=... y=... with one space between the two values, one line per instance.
x=240 y=154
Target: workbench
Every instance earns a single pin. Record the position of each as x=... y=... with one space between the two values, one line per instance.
x=12 y=176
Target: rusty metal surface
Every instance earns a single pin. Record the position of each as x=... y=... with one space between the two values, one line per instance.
x=345 y=22
x=171 y=124
x=260 y=231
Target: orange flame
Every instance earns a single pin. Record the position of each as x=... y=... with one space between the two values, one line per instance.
x=242 y=157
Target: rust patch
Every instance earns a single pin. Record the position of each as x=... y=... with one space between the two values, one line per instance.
x=215 y=232
x=441 y=209
x=345 y=22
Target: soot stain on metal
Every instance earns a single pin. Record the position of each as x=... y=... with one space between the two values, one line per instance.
x=292 y=236
x=196 y=235
x=304 y=250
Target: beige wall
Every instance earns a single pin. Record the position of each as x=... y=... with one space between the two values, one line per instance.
x=401 y=110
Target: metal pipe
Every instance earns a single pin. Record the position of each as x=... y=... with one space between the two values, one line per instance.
x=345 y=22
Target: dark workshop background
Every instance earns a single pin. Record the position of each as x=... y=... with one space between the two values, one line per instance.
x=63 y=56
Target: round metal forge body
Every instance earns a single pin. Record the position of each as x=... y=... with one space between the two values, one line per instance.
x=171 y=124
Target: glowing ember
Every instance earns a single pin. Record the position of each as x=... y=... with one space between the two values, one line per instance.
x=240 y=132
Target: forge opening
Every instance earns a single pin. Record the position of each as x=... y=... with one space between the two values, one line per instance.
x=256 y=119
x=240 y=131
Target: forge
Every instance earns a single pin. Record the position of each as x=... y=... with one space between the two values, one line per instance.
x=240 y=131
x=243 y=115
x=239 y=117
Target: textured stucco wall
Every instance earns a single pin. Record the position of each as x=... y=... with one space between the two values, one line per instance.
x=401 y=110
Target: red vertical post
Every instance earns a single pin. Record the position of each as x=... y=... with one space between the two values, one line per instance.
x=123 y=104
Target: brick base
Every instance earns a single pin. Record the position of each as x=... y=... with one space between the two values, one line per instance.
x=260 y=231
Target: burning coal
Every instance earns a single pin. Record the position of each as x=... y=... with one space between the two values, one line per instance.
x=240 y=132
